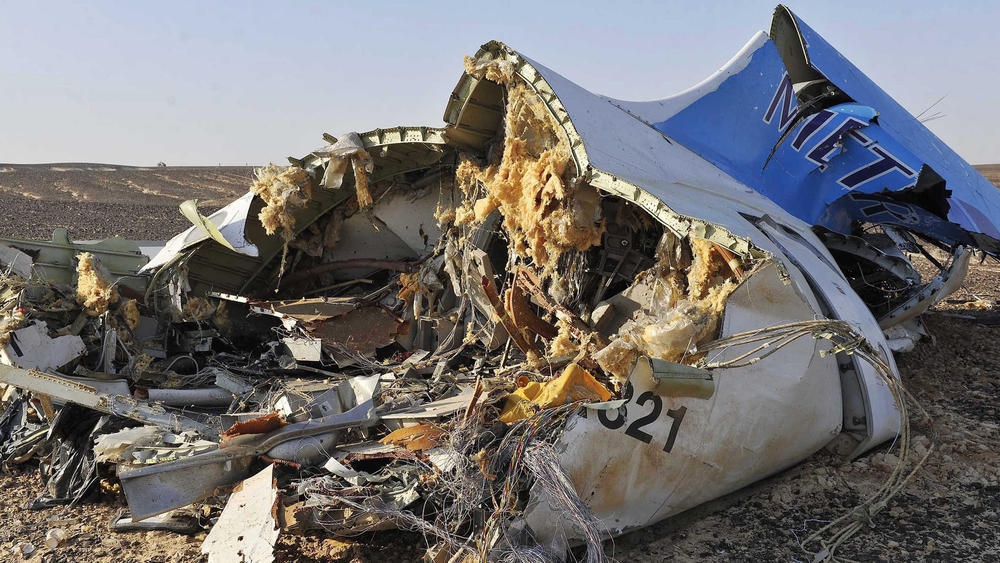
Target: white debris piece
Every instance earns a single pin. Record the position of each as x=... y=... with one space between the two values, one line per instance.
x=117 y=447
x=230 y=381
x=31 y=348
x=339 y=469
x=15 y=261
x=246 y=531
x=24 y=549
x=304 y=349
x=54 y=537
x=443 y=459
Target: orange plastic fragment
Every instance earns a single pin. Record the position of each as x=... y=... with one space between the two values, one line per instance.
x=415 y=438
x=259 y=425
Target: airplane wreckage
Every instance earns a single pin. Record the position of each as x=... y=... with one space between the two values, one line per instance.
x=557 y=319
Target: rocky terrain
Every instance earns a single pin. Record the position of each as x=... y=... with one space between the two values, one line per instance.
x=949 y=511
x=101 y=200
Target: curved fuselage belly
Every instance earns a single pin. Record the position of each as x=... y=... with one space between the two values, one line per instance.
x=760 y=419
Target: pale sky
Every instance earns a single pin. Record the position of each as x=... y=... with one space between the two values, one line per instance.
x=204 y=83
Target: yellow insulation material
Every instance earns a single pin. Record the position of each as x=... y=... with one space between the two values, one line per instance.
x=11 y=322
x=543 y=215
x=706 y=267
x=564 y=343
x=445 y=215
x=673 y=335
x=683 y=313
x=95 y=291
x=142 y=363
x=575 y=384
x=130 y=312
x=546 y=214
x=284 y=190
x=501 y=71
x=361 y=182
x=409 y=286
x=197 y=309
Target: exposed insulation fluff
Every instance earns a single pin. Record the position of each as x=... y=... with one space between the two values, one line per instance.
x=361 y=169
x=683 y=311
x=349 y=149
x=142 y=363
x=542 y=213
x=12 y=321
x=130 y=311
x=445 y=215
x=284 y=190
x=501 y=71
x=706 y=268
x=95 y=291
x=197 y=309
x=409 y=285
x=546 y=216
x=563 y=344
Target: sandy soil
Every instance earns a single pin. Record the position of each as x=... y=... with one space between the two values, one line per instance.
x=950 y=511
x=100 y=200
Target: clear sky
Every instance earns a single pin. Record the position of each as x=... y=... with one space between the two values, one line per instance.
x=192 y=83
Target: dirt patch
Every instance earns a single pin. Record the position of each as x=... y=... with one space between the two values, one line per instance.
x=96 y=201
x=86 y=526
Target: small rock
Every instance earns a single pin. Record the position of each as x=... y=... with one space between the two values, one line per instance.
x=54 y=537
x=24 y=549
x=884 y=462
x=930 y=547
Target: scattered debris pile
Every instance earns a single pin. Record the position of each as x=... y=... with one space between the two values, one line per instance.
x=540 y=327
x=422 y=386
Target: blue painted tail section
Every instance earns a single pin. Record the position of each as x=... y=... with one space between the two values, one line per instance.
x=975 y=200
x=735 y=126
x=810 y=144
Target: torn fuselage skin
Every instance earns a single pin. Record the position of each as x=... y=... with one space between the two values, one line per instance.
x=631 y=484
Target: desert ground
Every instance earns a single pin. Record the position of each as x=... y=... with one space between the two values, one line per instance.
x=949 y=511
x=100 y=200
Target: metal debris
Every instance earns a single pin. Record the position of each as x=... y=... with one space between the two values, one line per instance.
x=247 y=529
x=542 y=326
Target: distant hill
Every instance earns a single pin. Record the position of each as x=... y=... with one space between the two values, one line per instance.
x=100 y=200
x=111 y=183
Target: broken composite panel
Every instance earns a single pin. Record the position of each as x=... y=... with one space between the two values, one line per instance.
x=556 y=319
